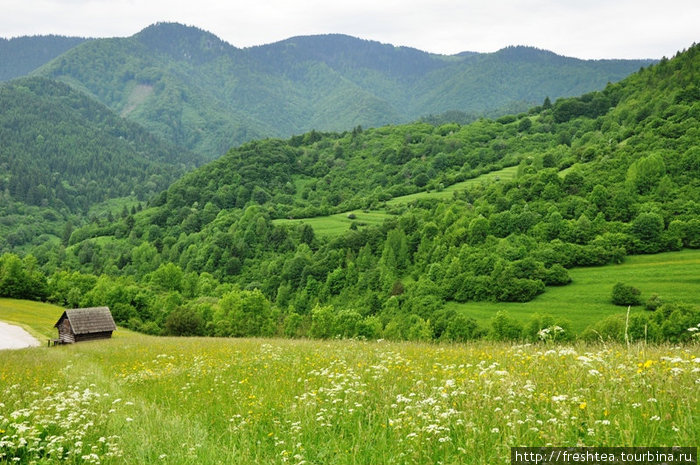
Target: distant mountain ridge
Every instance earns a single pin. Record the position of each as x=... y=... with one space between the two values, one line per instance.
x=22 y=55
x=196 y=90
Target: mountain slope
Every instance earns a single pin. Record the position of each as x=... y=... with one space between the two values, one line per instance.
x=21 y=55
x=64 y=150
x=197 y=91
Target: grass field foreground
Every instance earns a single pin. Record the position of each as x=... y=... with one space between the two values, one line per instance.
x=141 y=399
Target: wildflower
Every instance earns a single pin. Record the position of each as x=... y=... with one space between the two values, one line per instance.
x=582 y=405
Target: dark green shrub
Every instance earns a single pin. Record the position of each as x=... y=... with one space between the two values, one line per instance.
x=505 y=328
x=461 y=328
x=184 y=322
x=293 y=324
x=611 y=328
x=622 y=294
x=557 y=276
x=653 y=302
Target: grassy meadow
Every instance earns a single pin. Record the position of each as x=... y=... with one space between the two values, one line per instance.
x=142 y=399
x=339 y=223
x=504 y=174
x=674 y=276
x=35 y=317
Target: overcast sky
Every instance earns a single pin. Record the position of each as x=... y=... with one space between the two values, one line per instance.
x=578 y=28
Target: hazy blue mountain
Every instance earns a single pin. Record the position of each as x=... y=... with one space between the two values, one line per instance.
x=21 y=55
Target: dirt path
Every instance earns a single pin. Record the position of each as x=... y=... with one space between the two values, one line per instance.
x=14 y=337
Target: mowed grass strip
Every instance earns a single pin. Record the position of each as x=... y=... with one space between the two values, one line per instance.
x=504 y=174
x=333 y=225
x=674 y=276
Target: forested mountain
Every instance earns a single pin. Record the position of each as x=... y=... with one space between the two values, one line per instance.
x=65 y=152
x=191 y=88
x=599 y=177
x=21 y=55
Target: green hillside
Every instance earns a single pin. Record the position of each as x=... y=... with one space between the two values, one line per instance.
x=339 y=223
x=191 y=88
x=63 y=152
x=587 y=181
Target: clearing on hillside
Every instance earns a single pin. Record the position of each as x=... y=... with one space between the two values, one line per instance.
x=339 y=223
x=674 y=276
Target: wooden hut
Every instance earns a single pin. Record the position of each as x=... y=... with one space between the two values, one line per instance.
x=85 y=324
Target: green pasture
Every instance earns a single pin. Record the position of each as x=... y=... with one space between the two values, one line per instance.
x=36 y=317
x=333 y=225
x=504 y=174
x=114 y=206
x=143 y=399
x=674 y=276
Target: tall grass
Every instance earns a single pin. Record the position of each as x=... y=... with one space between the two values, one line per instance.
x=206 y=401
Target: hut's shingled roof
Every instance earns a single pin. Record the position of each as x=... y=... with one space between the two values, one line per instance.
x=89 y=320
